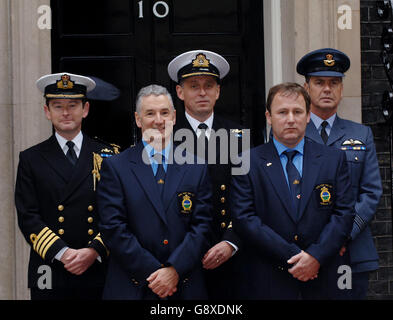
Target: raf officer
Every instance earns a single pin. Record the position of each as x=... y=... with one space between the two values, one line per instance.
x=324 y=72
x=293 y=208
x=55 y=196
x=155 y=213
x=198 y=75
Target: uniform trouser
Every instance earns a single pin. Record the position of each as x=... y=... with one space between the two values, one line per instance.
x=359 y=285
x=94 y=293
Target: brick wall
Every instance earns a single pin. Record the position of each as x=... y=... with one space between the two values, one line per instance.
x=374 y=83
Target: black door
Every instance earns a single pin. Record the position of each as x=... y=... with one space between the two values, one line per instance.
x=130 y=43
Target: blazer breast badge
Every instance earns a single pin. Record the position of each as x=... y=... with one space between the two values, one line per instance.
x=185 y=201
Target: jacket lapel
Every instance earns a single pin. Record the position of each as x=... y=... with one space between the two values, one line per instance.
x=56 y=159
x=312 y=133
x=83 y=168
x=270 y=162
x=144 y=175
x=337 y=131
x=311 y=165
x=173 y=178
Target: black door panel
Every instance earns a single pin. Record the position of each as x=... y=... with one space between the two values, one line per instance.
x=129 y=45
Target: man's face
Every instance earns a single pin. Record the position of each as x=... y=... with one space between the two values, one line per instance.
x=66 y=115
x=325 y=94
x=156 y=118
x=288 y=118
x=199 y=94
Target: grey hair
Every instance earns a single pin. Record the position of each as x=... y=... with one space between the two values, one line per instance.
x=153 y=89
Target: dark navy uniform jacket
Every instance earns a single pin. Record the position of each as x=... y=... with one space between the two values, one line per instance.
x=272 y=234
x=56 y=207
x=145 y=233
x=358 y=143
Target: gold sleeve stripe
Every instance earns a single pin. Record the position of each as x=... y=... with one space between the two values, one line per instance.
x=98 y=237
x=36 y=238
x=49 y=245
x=44 y=244
x=41 y=239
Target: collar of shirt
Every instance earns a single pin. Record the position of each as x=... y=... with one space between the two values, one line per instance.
x=151 y=152
x=297 y=160
x=317 y=122
x=77 y=141
x=195 y=123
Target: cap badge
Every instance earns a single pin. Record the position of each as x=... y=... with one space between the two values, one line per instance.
x=65 y=82
x=329 y=62
x=200 y=61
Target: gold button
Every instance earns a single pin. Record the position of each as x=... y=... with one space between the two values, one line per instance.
x=165 y=242
x=223 y=212
x=356 y=159
x=90 y=231
x=61 y=231
x=222 y=199
x=223 y=225
x=296 y=237
x=90 y=208
x=185 y=280
x=61 y=219
x=60 y=207
x=89 y=219
x=223 y=187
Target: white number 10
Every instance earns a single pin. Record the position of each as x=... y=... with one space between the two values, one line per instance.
x=155 y=12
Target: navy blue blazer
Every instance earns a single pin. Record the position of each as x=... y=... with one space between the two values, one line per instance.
x=144 y=233
x=366 y=185
x=272 y=233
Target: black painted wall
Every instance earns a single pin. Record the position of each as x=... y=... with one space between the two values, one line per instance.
x=374 y=83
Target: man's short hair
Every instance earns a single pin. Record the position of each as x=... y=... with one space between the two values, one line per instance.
x=287 y=89
x=155 y=90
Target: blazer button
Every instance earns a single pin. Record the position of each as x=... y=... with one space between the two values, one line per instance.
x=296 y=238
x=90 y=219
x=165 y=242
x=61 y=219
x=185 y=280
x=61 y=231
x=223 y=212
x=60 y=207
x=223 y=225
x=90 y=232
x=223 y=187
x=222 y=199
x=356 y=159
x=90 y=208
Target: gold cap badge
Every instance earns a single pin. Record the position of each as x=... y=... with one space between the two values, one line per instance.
x=65 y=82
x=200 y=61
x=329 y=62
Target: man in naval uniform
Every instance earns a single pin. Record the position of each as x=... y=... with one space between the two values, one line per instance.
x=198 y=74
x=324 y=72
x=55 y=197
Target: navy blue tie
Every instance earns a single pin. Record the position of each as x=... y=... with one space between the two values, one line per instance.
x=294 y=179
x=160 y=174
x=71 y=155
x=324 y=134
x=202 y=140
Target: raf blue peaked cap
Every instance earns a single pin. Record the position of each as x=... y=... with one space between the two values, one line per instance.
x=325 y=62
